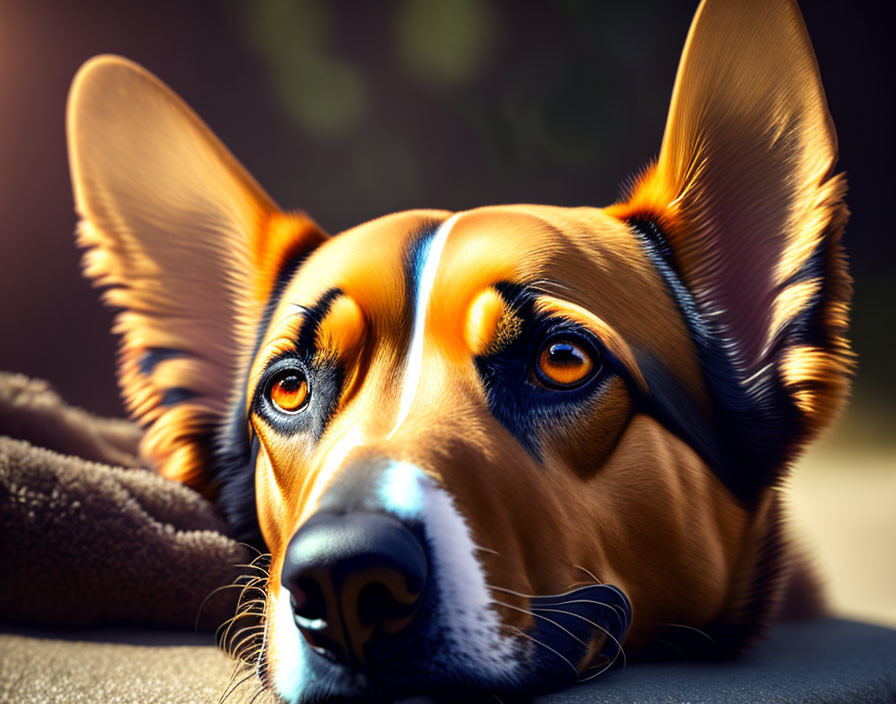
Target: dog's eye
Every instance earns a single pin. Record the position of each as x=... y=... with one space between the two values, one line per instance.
x=565 y=363
x=289 y=391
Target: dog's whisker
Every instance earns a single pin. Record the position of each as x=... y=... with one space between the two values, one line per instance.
x=247 y=647
x=670 y=644
x=560 y=655
x=544 y=618
x=236 y=584
x=250 y=602
x=242 y=640
x=523 y=595
x=619 y=648
x=607 y=666
x=603 y=668
x=615 y=608
x=689 y=628
x=261 y=666
x=236 y=686
x=589 y=573
x=249 y=588
x=579 y=585
x=257 y=695
x=224 y=624
x=247 y=644
x=225 y=636
x=254 y=549
x=209 y=596
x=253 y=566
x=249 y=658
x=239 y=638
x=480 y=548
x=235 y=670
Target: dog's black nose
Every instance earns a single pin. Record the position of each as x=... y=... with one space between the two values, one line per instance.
x=356 y=582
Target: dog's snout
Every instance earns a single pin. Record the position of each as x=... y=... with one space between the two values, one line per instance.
x=356 y=581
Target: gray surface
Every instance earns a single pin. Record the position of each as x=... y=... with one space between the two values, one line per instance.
x=819 y=662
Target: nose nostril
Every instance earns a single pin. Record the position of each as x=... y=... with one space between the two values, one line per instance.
x=376 y=604
x=356 y=582
x=309 y=604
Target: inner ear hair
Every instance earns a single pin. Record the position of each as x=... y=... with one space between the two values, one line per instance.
x=188 y=248
x=744 y=213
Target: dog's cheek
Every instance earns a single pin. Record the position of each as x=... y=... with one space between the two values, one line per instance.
x=273 y=508
x=583 y=443
x=669 y=530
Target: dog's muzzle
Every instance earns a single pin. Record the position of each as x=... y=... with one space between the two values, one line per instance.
x=384 y=584
x=357 y=582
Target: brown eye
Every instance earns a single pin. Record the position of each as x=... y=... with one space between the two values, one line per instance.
x=565 y=363
x=289 y=391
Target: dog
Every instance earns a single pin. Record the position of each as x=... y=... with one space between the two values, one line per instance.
x=489 y=450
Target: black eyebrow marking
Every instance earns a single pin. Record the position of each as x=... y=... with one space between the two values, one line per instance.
x=233 y=465
x=313 y=317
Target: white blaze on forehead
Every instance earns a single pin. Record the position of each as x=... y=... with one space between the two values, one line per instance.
x=414 y=366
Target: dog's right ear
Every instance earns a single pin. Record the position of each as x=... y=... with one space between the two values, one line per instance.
x=189 y=248
x=743 y=212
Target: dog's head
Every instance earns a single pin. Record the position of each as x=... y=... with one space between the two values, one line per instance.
x=484 y=448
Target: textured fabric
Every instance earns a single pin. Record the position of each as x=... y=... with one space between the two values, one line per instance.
x=822 y=662
x=818 y=662
x=84 y=542
x=123 y=669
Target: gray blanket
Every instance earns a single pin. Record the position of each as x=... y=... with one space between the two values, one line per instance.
x=87 y=537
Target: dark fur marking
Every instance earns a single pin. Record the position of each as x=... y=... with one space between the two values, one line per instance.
x=415 y=260
x=153 y=356
x=753 y=421
x=520 y=405
x=313 y=317
x=669 y=404
x=233 y=465
x=176 y=395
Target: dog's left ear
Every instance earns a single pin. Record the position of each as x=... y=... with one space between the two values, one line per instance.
x=189 y=248
x=744 y=212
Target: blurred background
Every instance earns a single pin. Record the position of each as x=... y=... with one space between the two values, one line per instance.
x=351 y=110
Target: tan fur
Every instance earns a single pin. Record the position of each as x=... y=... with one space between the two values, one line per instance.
x=744 y=188
x=161 y=200
x=743 y=194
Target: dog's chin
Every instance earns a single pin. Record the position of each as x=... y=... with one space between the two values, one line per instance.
x=576 y=636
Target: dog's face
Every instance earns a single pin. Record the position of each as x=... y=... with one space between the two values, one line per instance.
x=475 y=376
x=486 y=448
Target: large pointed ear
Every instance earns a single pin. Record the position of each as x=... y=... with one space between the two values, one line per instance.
x=189 y=249
x=745 y=212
